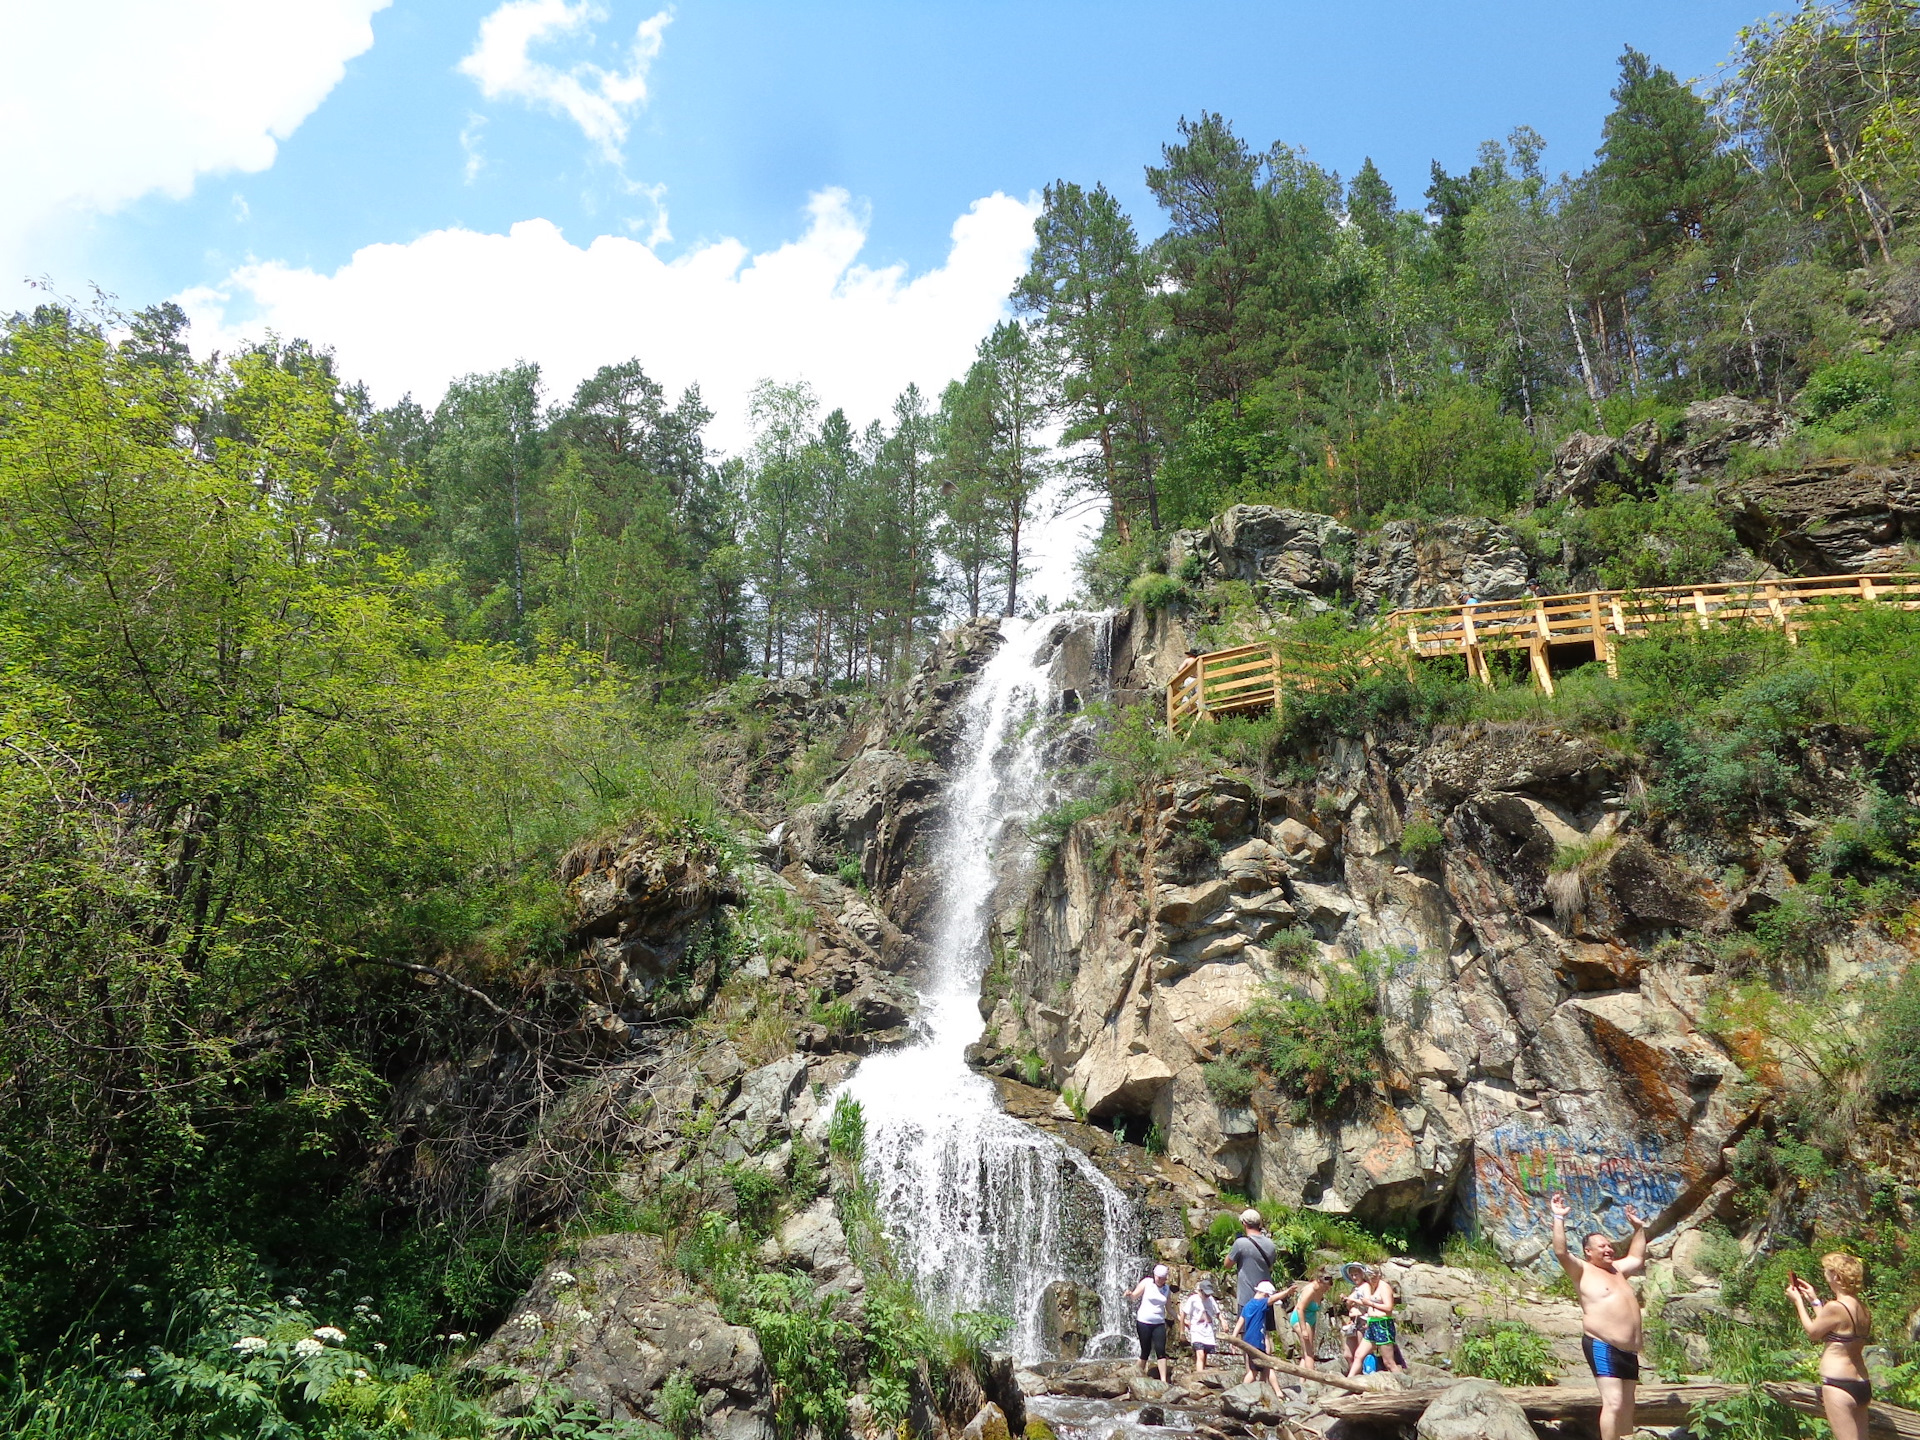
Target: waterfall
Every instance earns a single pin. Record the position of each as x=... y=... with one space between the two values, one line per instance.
x=986 y=1210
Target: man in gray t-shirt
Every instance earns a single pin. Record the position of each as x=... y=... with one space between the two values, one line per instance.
x=1251 y=1255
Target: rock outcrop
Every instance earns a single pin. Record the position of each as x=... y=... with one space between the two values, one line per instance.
x=1409 y=564
x=1531 y=1025
x=1834 y=517
x=611 y=1323
x=1289 y=557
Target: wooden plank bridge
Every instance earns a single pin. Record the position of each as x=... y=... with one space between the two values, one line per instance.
x=1253 y=677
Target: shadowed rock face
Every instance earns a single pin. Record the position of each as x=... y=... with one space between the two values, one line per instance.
x=1837 y=517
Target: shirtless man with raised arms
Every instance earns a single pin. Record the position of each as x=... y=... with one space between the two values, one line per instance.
x=1609 y=1312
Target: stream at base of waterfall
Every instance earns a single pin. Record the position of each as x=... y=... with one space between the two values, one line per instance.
x=990 y=1213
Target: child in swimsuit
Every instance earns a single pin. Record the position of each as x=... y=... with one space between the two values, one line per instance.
x=1305 y=1299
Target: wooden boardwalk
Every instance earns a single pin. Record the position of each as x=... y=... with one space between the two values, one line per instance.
x=1252 y=677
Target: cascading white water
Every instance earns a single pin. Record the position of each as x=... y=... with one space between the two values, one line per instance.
x=987 y=1210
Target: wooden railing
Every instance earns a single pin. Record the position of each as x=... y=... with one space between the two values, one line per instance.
x=1251 y=677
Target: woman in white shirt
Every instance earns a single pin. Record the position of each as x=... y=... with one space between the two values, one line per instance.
x=1150 y=1319
x=1200 y=1317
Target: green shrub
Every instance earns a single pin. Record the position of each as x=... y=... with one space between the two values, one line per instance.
x=1893 y=1052
x=847 y=1129
x=1473 y=1252
x=1667 y=540
x=1293 y=946
x=850 y=871
x=1229 y=1082
x=1420 y=841
x=1155 y=592
x=680 y=1404
x=1848 y=394
x=1209 y=1247
x=1507 y=1353
x=756 y=1195
x=1033 y=1069
x=1327 y=1048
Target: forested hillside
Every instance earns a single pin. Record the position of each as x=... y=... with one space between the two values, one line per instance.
x=313 y=713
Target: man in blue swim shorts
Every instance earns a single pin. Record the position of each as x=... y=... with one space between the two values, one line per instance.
x=1609 y=1312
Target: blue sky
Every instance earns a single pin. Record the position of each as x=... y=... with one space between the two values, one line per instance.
x=766 y=152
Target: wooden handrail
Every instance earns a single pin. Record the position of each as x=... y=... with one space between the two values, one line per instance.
x=1250 y=677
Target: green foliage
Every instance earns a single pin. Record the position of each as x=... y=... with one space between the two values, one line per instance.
x=1229 y=1082
x=847 y=1129
x=1473 y=1252
x=1293 y=946
x=808 y=1351
x=1848 y=394
x=1420 y=841
x=1667 y=540
x=1749 y=1357
x=850 y=872
x=1155 y=592
x=757 y=1194
x=1893 y=1052
x=1505 y=1352
x=1328 y=1046
x=1033 y=1068
x=1447 y=451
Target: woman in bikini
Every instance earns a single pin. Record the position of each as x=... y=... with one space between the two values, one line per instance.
x=1304 y=1299
x=1380 y=1335
x=1845 y=1326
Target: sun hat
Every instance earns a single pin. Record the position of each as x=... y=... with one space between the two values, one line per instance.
x=1355 y=1266
x=1250 y=1216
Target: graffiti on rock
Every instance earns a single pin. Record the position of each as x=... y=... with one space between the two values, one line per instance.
x=1516 y=1167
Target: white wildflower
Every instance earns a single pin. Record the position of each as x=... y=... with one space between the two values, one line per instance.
x=361 y=1375
x=136 y=1373
x=365 y=1300
x=458 y=1337
x=359 y=1309
x=379 y=1348
x=561 y=1279
x=250 y=1344
x=330 y=1335
x=583 y=1316
x=527 y=1320
x=334 y=1274
x=308 y=1348
x=374 y=1319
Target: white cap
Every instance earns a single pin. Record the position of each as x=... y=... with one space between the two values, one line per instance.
x=1159 y=1272
x=1265 y=1287
x=1251 y=1216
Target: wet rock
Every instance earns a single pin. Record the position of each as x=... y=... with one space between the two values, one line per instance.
x=1252 y=1403
x=1145 y=1387
x=1410 y=564
x=1069 y=1317
x=1000 y=1382
x=1290 y=557
x=1151 y=1415
x=1474 y=1410
x=989 y=1424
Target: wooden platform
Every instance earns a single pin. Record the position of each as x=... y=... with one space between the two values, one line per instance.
x=1252 y=677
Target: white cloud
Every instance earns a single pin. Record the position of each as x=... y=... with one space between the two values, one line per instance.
x=412 y=317
x=598 y=101
x=470 y=145
x=110 y=100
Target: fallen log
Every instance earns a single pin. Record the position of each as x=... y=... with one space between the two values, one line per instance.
x=1654 y=1404
x=1261 y=1360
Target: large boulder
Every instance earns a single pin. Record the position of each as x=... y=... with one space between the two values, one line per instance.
x=1411 y=564
x=1584 y=466
x=1713 y=427
x=612 y=1323
x=1833 y=517
x=1290 y=557
x=1069 y=1318
x=1474 y=1410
